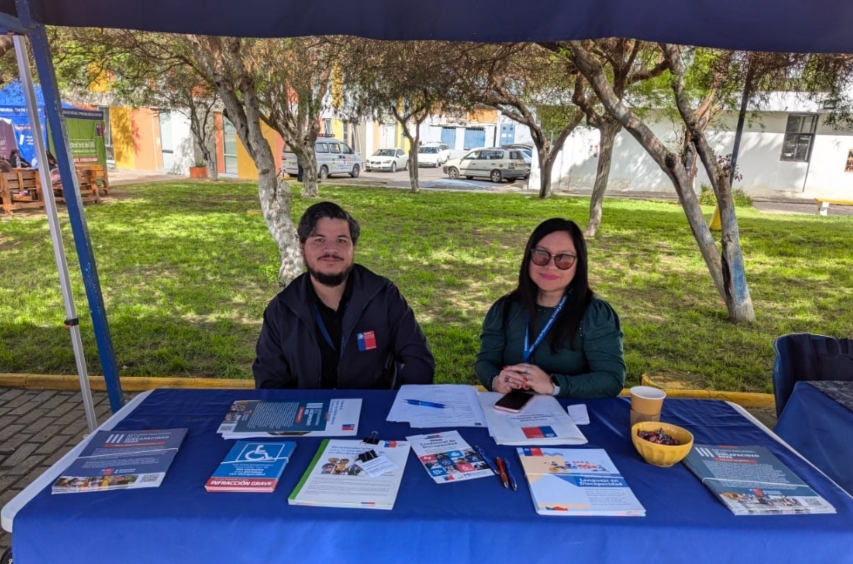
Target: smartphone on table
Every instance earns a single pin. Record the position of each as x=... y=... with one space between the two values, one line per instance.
x=513 y=402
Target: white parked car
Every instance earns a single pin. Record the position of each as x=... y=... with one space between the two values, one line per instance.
x=433 y=154
x=333 y=157
x=491 y=162
x=387 y=159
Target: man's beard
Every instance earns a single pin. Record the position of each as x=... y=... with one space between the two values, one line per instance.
x=330 y=280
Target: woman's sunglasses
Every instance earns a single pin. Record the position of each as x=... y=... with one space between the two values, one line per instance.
x=563 y=261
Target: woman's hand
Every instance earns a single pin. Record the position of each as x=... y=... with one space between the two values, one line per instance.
x=530 y=377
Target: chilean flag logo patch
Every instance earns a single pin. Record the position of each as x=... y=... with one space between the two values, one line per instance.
x=366 y=341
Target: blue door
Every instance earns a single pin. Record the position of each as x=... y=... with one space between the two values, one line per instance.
x=474 y=137
x=507 y=133
x=448 y=137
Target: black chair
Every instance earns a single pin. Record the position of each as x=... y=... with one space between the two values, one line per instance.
x=808 y=357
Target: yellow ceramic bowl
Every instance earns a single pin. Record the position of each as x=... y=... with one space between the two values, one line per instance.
x=662 y=455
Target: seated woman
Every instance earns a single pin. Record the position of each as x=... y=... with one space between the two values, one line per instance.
x=17 y=160
x=552 y=335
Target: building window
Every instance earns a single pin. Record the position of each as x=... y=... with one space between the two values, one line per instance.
x=799 y=138
x=849 y=167
x=229 y=142
x=327 y=127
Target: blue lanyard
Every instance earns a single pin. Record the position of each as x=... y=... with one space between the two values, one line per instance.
x=528 y=350
x=319 y=319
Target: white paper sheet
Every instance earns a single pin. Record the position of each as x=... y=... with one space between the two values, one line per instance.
x=542 y=422
x=579 y=414
x=461 y=406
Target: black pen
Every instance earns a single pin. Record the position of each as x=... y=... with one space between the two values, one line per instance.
x=486 y=458
x=512 y=481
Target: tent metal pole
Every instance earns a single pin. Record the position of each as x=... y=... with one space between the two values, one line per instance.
x=55 y=231
x=82 y=243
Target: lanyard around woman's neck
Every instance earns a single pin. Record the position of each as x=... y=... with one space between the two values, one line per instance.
x=528 y=349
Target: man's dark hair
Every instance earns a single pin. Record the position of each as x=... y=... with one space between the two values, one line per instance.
x=309 y=219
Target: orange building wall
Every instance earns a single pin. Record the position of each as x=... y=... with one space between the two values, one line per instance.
x=483 y=116
x=146 y=139
x=220 y=143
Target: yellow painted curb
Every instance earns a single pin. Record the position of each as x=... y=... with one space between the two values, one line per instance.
x=141 y=384
x=128 y=383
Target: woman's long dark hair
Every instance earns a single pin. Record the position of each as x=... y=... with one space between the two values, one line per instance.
x=578 y=293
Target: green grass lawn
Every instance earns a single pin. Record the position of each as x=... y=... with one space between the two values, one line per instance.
x=186 y=274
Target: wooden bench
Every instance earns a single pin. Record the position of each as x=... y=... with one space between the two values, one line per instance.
x=823 y=204
x=96 y=175
x=88 y=189
x=20 y=189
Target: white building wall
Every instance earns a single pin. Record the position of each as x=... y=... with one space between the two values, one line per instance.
x=183 y=143
x=764 y=173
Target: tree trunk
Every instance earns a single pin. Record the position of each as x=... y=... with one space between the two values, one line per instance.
x=221 y=58
x=545 y=166
x=609 y=129
x=413 y=166
x=310 y=174
x=414 y=142
x=735 y=290
x=666 y=160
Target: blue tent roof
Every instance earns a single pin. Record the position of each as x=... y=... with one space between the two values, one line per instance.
x=12 y=95
x=758 y=25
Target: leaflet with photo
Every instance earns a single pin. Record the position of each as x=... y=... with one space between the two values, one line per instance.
x=251 y=466
x=448 y=458
x=577 y=481
x=116 y=460
x=750 y=480
x=248 y=419
x=335 y=478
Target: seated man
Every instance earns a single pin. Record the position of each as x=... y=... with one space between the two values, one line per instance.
x=339 y=325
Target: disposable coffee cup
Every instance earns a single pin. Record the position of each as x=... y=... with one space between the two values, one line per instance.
x=637 y=417
x=647 y=400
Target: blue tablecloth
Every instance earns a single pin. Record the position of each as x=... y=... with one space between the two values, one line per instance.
x=820 y=429
x=455 y=522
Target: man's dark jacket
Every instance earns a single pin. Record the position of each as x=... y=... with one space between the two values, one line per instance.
x=288 y=354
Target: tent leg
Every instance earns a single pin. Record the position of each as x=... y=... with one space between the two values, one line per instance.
x=83 y=245
x=55 y=232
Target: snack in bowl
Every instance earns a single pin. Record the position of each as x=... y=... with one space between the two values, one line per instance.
x=649 y=439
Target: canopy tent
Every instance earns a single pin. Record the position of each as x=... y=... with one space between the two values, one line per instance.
x=757 y=25
x=85 y=127
x=819 y=26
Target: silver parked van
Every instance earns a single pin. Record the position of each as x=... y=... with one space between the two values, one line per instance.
x=333 y=157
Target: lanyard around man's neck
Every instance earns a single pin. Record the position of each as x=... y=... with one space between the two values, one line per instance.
x=528 y=349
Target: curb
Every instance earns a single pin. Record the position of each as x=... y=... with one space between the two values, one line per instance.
x=128 y=383
x=142 y=383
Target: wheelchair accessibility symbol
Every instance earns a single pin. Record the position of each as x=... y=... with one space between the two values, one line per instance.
x=257 y=454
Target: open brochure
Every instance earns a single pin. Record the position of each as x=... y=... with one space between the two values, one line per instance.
x=448 y=458
x=543 y=421
x=577 y=481
x=248 y=419
x=750 y=480
x=337 y=477
x=116 y=460
x=251 y=466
